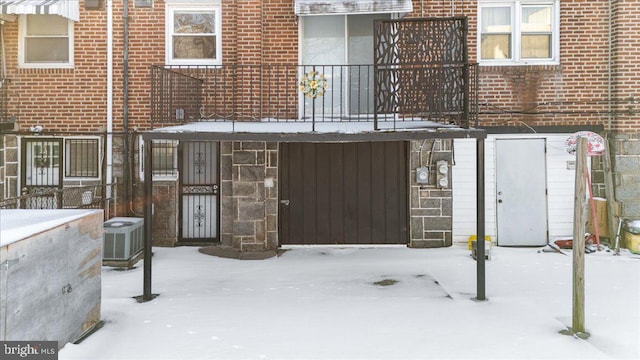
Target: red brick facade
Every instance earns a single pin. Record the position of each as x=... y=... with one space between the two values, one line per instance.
x=595 y=83
x=575 y=92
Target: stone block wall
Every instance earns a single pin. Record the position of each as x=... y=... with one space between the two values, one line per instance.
x=9 y=167
x=626 y=171
x=249 y=195
x=430 y=206
x=625 y=152
x=165 y=213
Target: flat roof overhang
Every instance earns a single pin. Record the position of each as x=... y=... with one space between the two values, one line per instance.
x=306 y=132
x=310 y=132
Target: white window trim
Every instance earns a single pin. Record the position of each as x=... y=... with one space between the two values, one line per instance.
x=164 y=177
x=66 y=158
x=22 y=31
x=171 y=7
x=63 y=154
x=516 y=20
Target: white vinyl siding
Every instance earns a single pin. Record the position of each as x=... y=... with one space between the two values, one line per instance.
x=560 y=186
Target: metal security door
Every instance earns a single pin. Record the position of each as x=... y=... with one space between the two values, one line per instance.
x=41 y=171
x=521 y=192
x=199 y=192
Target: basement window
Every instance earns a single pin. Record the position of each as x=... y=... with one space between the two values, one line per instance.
x=81 y=158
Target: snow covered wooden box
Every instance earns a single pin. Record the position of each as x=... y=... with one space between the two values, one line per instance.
x=50 y=274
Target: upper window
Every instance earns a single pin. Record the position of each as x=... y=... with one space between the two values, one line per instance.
x=46 y=41
x=518 y=32
x=193 y=34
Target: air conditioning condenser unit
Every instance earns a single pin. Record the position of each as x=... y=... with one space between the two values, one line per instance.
x=123 y=238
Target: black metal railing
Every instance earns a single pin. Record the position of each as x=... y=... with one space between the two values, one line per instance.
x=175 y=96
x=77 y=197
x=444 y=93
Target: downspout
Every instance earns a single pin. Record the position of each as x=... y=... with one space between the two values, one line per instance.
x=4 y=58
x=610 y=192
x=3 y=185
x=610 y=69
x=125 y=104
x=109 y=140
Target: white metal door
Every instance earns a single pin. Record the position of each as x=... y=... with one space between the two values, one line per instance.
x=521 y=192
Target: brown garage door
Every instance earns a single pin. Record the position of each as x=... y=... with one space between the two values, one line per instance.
x=343 y=193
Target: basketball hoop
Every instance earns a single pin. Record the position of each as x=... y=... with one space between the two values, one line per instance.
x=595 y=143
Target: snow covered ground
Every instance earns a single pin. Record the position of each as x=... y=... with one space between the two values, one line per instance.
x=324 y=303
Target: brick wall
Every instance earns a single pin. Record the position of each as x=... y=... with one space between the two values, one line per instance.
x=61 y=99
x=626 y=81
x=266 y=31
x=575 y=92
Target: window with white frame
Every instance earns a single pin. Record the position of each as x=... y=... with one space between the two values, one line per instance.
x=165 y=159
x=513 y=32
x=193 y=33
x=81 y=158
x=47 y=160
x=46 y=41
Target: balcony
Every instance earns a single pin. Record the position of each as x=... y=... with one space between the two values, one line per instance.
x=376 y=96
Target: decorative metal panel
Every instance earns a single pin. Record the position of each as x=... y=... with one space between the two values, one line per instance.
x=421 y=69
x=420 y=41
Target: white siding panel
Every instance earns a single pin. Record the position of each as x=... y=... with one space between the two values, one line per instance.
x=463 y=175
x=560 y=184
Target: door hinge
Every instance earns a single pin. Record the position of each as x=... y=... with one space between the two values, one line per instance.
x=5 y=265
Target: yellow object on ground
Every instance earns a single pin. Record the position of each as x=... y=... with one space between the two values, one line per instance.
x=633 y=242
x=473 y=238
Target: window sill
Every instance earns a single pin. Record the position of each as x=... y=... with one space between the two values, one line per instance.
x=502 y=68
x=46 y=70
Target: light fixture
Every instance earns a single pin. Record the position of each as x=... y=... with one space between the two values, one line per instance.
x=37 y=129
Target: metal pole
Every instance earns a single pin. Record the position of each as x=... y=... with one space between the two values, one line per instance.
x=480 y=218
x=148 y=214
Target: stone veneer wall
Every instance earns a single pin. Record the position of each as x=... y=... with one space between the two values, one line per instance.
x=430 y=207
x=165 y=213
x=626 y=174
x=625 y=152
x=9 y=170
x=249 y=195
